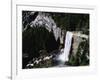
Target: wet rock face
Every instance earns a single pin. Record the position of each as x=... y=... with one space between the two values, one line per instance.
x=79 y=50
x=76 y=41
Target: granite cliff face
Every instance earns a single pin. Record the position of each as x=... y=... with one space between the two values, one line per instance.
x=45 y=20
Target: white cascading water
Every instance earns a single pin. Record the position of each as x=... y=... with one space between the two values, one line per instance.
x=68 y=40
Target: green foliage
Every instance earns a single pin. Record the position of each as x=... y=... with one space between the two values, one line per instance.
x=72 y=21
x=36 y=39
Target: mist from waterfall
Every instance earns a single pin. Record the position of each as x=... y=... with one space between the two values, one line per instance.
x=68 y=40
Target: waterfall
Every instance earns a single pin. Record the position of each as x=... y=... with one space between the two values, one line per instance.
x=68 y=40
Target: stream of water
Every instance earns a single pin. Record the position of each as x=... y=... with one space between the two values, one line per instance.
x=63 y=57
